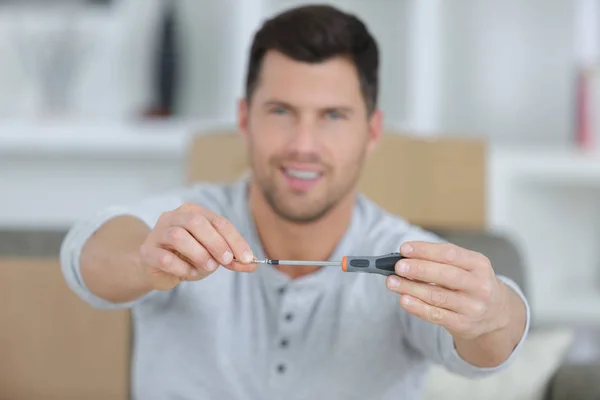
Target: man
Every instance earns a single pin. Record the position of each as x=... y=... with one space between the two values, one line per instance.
x=209 y=324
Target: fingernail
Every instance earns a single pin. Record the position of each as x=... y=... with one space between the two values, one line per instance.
x=211 y=265
x=405 y=300
x=247 y=257
x=227 y=258
x=393 y=282
x=194 y=272
x=406 y=249
x=402 y=267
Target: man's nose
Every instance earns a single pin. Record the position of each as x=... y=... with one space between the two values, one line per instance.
x=304 y=138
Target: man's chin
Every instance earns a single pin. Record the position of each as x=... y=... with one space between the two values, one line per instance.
x=301 y=219
x=301 y=208
x=300 y=215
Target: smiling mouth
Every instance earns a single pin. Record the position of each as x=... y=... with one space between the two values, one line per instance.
x=302 y=174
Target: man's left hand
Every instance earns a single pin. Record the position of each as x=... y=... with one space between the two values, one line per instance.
x=452 y=287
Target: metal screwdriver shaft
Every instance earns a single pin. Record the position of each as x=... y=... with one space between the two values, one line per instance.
x=382 y=265
x=298 y=262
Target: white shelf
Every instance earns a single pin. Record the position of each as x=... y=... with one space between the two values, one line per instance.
x=548 y=165
x=55 y=172
x=155 y=140
x=548 y=201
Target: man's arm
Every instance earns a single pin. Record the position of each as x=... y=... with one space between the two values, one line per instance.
x=115 y=259
x=110 y=260
x=102 y=251
x=459 y=313
x=493 y=348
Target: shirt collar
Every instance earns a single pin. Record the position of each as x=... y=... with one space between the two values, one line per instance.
x=270 y=275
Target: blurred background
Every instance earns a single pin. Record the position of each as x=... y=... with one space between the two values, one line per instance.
x=98 y=100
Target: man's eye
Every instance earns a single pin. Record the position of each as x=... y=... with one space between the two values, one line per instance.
x=279 y=111
x=334 y=115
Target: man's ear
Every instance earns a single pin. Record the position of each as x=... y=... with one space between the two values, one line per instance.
x=243 y=116
x=375 y=130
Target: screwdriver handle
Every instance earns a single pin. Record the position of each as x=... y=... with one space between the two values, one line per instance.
x=383 y=265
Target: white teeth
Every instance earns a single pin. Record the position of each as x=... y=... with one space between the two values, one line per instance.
x=302 y=174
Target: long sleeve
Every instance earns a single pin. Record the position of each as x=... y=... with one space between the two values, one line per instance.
x=147 y=211
x=432 y=341
x=436 y=344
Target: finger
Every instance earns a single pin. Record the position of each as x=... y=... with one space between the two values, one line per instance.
x=240 y=248
x=187 y=247
x=444 y=275
x=444 y=253
x=203 y=231
x=204 y=269
x=206 y=235
x=166 y=261
x=161 y=280
x=242 y=267
x=433 y=295
x=436 y=315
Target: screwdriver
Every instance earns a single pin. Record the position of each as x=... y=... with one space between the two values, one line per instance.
x=383 y=265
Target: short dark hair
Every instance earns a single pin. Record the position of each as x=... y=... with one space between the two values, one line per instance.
x=316 y=33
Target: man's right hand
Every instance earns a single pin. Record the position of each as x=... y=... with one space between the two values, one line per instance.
x=189 y=243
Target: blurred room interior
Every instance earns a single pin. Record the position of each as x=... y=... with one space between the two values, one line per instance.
x=101 y=100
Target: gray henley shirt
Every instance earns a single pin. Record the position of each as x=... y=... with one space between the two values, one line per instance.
x=260 y=336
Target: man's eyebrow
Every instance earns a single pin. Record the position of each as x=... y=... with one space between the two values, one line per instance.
x=342 y=109
x=278 y=103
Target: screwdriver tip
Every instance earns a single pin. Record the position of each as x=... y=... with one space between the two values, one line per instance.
x=253 y=261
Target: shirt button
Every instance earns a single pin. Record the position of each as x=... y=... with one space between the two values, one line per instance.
x=281 y=290
x=289 y=316
x=281 y=368
x=284 y=343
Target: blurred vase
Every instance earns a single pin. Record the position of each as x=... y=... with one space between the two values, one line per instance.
x=51 y=51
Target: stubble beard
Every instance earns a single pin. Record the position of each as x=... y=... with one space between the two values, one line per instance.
x=266 y=183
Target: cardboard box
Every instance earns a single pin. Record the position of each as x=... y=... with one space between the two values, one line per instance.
x=435 y=183
x=52 y=344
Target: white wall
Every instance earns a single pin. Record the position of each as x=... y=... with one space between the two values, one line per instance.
x=502 y=69
x=213 y=49
x=509 y=69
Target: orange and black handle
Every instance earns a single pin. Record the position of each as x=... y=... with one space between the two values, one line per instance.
x=383 y=265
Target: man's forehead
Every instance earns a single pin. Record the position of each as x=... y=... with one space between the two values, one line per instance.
x=333 y=81
x=276 y=64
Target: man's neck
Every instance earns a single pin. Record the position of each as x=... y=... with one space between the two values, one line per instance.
x=283 y=239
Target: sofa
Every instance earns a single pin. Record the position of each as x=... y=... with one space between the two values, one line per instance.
x=562 y=379
x=74 y=351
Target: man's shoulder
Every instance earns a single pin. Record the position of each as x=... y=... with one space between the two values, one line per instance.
x=212 y=194
x=387 y=230
x=220 y=198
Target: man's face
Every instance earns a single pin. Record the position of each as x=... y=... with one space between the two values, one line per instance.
x=308 y=133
